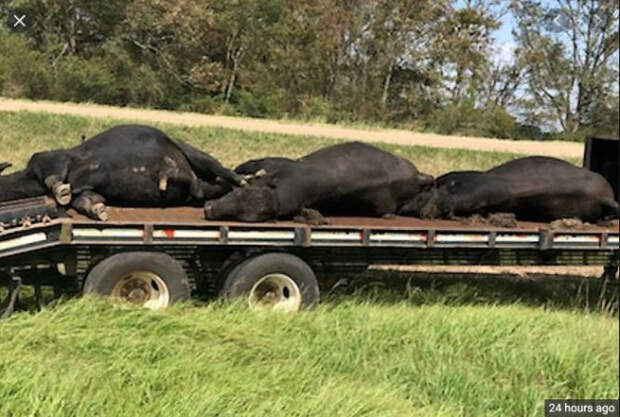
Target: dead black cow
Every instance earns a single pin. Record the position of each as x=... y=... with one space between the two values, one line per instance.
x=533 y=188
x=129 y=165
x=347 y=179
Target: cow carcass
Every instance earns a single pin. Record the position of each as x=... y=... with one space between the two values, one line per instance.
x=127 y=165
x=350 y=179
x=533 y=188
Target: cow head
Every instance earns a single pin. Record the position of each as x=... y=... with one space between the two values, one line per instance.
x=254 y=203
x=424 y=205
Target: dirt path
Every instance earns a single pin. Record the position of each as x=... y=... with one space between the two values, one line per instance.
x=400 y=137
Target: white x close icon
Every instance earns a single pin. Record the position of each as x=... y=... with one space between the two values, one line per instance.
x=19 y=21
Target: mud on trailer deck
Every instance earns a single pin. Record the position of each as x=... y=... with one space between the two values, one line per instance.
x=155 y=257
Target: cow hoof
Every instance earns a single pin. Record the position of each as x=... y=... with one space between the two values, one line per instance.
x=311 y=217
x=100 y=212
x=260 y=173
x=243 y=183
x=62 y=193
x=163 y=184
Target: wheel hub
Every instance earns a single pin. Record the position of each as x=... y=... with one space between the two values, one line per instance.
x=137 y=296
x=277 y=292
x=144 y=288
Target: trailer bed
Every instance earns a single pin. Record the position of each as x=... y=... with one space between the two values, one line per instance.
x=186 y=226
x=195 y=216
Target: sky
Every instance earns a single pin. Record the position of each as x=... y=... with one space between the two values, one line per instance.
x=503 y=34
x=505 y=43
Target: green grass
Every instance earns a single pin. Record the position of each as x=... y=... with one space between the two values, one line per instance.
x=432 y=348
x=347 y=358
x=23 y=133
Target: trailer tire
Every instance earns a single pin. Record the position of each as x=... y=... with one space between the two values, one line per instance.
x=152 y=279
x=280 y=281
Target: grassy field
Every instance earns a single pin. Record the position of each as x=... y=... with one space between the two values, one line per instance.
x=347 y=358
x=424 y=348
x=22 y=133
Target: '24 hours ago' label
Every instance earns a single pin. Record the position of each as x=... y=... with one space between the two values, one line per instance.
x=581 y=408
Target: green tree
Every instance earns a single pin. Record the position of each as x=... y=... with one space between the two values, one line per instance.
x=571 y=51
x=71 y=27
x=463 y=48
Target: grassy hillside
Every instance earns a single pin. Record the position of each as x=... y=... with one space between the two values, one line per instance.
x=474 y=348
x=22 y=133
x=348 y=358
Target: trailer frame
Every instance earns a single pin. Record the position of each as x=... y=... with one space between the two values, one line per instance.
x=62 y=252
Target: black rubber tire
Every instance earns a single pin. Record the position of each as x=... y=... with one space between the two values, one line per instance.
x=104 y=276
x=242 y=277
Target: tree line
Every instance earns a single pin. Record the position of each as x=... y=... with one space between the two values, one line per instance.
x=423 y=64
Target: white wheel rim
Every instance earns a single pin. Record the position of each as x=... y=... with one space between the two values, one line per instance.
x=143 y=288
x=275 y=292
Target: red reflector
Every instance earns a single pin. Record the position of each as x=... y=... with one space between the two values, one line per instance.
x=169 y=233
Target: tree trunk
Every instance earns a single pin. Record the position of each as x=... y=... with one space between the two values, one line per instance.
x=231 y=84
x=386 y=86
x=236 y=57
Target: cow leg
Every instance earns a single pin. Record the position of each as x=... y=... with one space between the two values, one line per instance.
x=51 y=168
x=199 y=189
x=206 y=166
x=92 y=205
x=62 y=191
x=203 y=190
x=170 y=172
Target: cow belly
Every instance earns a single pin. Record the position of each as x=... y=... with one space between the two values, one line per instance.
x=143 y=191
x=550 y=207
x=376 y=202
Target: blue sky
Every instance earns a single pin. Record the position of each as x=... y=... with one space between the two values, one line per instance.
x=503 y=34
x=504 y=41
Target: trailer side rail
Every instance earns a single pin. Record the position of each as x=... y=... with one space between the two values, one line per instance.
x=350 y=236
x=64 y=232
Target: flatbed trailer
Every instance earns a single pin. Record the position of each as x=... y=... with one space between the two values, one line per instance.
x=157 y=256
